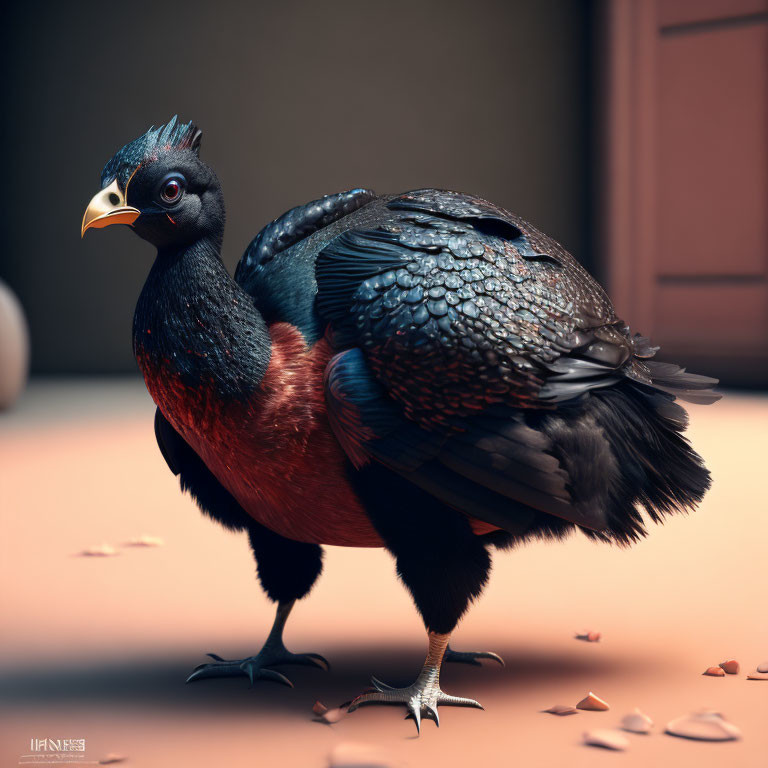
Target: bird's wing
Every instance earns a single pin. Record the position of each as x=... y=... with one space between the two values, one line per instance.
x=458 y=304
x=453 y=318
x=493 y=466
x=283 y=288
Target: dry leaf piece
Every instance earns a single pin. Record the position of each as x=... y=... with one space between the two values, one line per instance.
x=757 y=677
x=331 y=716
x=594 y=703
x=714 y=672
x=99 y=550
x=145 y=541
x=763 y=667
x=562 y=710
x=606 y=738
x=730 y=667
x=589 y=636
x=704 y=726
x=637 y=722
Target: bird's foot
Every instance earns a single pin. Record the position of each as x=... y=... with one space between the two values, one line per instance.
x=423 y=697
x=471 y=657
x=258 y=667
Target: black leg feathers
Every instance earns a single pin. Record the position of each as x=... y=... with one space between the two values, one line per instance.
x=441 y=562
x=287 y=569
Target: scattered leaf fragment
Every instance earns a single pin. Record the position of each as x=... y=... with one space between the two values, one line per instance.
x=593 y=702
x=730 y=667
x=763 y=667
x=757 y=677
x=319 y=708
x=562 y=710
x=331 y=716
x=99 y=550
x=145 y=540
x=714 y=672
x=588 y=636
x=637 y=722
x=350 y=754
x=703 y=726
x=606 y=738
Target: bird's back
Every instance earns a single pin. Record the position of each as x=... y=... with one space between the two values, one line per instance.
x=476 y=358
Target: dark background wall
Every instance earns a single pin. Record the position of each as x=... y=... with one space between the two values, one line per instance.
x=296 y=99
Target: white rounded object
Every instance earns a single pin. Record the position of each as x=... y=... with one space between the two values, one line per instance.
x=704 y=726
x=14 y=348
x=637 y=722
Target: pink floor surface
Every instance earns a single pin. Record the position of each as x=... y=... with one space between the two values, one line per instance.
x=98 y=648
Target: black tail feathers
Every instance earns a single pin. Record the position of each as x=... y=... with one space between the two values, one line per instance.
x=656 y=468
x=676 y=381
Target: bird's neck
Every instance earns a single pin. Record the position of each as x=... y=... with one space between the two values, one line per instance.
x=194 y=324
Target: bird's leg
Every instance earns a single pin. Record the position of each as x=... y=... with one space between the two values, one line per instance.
x=423 y=696
x=471 y=657
x=257 y=667
x=443 y=564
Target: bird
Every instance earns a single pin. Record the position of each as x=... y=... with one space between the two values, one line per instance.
x=424 y=372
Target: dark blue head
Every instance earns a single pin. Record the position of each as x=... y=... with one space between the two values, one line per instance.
x=158 y=185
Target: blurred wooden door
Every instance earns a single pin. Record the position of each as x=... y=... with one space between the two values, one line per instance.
x=683 y=219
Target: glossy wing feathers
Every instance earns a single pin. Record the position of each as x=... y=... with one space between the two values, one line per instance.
x=458 y=305
x=292 y=227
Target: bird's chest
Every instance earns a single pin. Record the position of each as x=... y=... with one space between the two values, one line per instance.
x=273 y=450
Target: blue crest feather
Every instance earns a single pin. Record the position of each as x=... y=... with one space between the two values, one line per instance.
x=172 y=135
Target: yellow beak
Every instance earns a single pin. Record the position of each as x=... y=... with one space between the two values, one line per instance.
x=108 y=207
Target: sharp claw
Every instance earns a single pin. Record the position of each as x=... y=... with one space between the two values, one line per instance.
x=472 y=658
x=415 y=713
x=215 y=656
x=432 y=711
x=308 y=660
x=321 y=659
x=278 y=677
x=213 y=670
x=379 y=686
x=262 y=673
x=459 y=701
x=490 y=655
x=366 y=698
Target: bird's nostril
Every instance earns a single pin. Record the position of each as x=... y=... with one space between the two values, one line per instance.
x=114 y=199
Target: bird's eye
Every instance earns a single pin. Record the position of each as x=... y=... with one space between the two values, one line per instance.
x=172 y=190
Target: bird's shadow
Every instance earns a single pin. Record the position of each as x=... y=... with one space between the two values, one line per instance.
x=158 y=682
